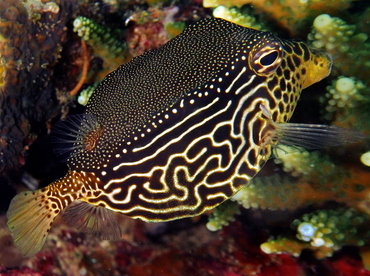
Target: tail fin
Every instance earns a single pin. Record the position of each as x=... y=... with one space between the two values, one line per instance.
x=30 y=216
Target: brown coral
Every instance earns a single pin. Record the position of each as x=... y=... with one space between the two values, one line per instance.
x=30 y=41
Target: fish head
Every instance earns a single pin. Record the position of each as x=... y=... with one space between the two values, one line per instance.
x=284 y=68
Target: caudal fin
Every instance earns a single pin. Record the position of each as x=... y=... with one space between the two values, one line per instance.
x=30 y=216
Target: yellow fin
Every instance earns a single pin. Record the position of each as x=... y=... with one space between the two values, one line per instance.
x=94 y=220
x=30 y=217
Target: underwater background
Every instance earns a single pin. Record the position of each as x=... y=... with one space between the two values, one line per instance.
x=306 y=213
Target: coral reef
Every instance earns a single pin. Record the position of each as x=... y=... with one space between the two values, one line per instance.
x=324 y=232
x=9 y=254
x=273 y=193
x=333 y=228
x=344 y=95
x=365 y=158
x=287 y=213
x=317 y=181
x=292 y=15
x=297 y=161
x=334 y=36
x=320 y=183
x=31 y=37
x=105 y=42
x=222 y=215
x=152 y=29
x=190 y=250
x=331 y=33
x=86 y=93
x=347 y=101
x=240 y=17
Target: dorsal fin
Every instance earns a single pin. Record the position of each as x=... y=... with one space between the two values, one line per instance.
x=94 y=220
x=76 y=133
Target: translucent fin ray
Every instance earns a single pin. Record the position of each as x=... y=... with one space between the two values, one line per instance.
x=94 y=220
x=312 y=136
x=29 y=221
x=68 y=136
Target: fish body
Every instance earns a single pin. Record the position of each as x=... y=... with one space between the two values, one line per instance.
x=174 y=132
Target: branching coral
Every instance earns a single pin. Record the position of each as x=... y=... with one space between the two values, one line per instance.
x=151 y=29
x=86 y=93
x=344 y=94
x=347 y=104
x=333 y=228
x=365 y=158
x=323 y=181
x=324 y=231
x=307 y=164
x=222 y=215
x=347 y=101
x=280 y=193
x=104 y=41
x=99 y=37
x=271 y=193
x=239 y=17
x=349 y=49
x=297 y=161
x=293 y=15
x=331 y=34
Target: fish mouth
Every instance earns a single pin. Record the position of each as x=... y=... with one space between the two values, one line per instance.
x=318 y=67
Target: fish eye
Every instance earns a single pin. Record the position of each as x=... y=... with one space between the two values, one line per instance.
x=269 y=58
x=266 y=60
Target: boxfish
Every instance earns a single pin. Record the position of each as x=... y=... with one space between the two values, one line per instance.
x=174 y=132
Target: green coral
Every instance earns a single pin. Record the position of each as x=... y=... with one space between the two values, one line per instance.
x=239 y=16
x=349 y=49
x=307 y=164
x=273 y=193
x=324 y=231
x=174 y=28
x=331 y=34
x=347 y=101
x=86 y=93
x=296 y=161
x=222 y=215
x=343 y=96
x=282 y=193
x=283 y=245
x=104 y=41
x=333 y=228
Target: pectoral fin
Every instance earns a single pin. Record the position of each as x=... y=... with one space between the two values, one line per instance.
x=312 y=136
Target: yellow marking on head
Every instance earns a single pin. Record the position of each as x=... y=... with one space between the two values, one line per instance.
x=318 y=68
